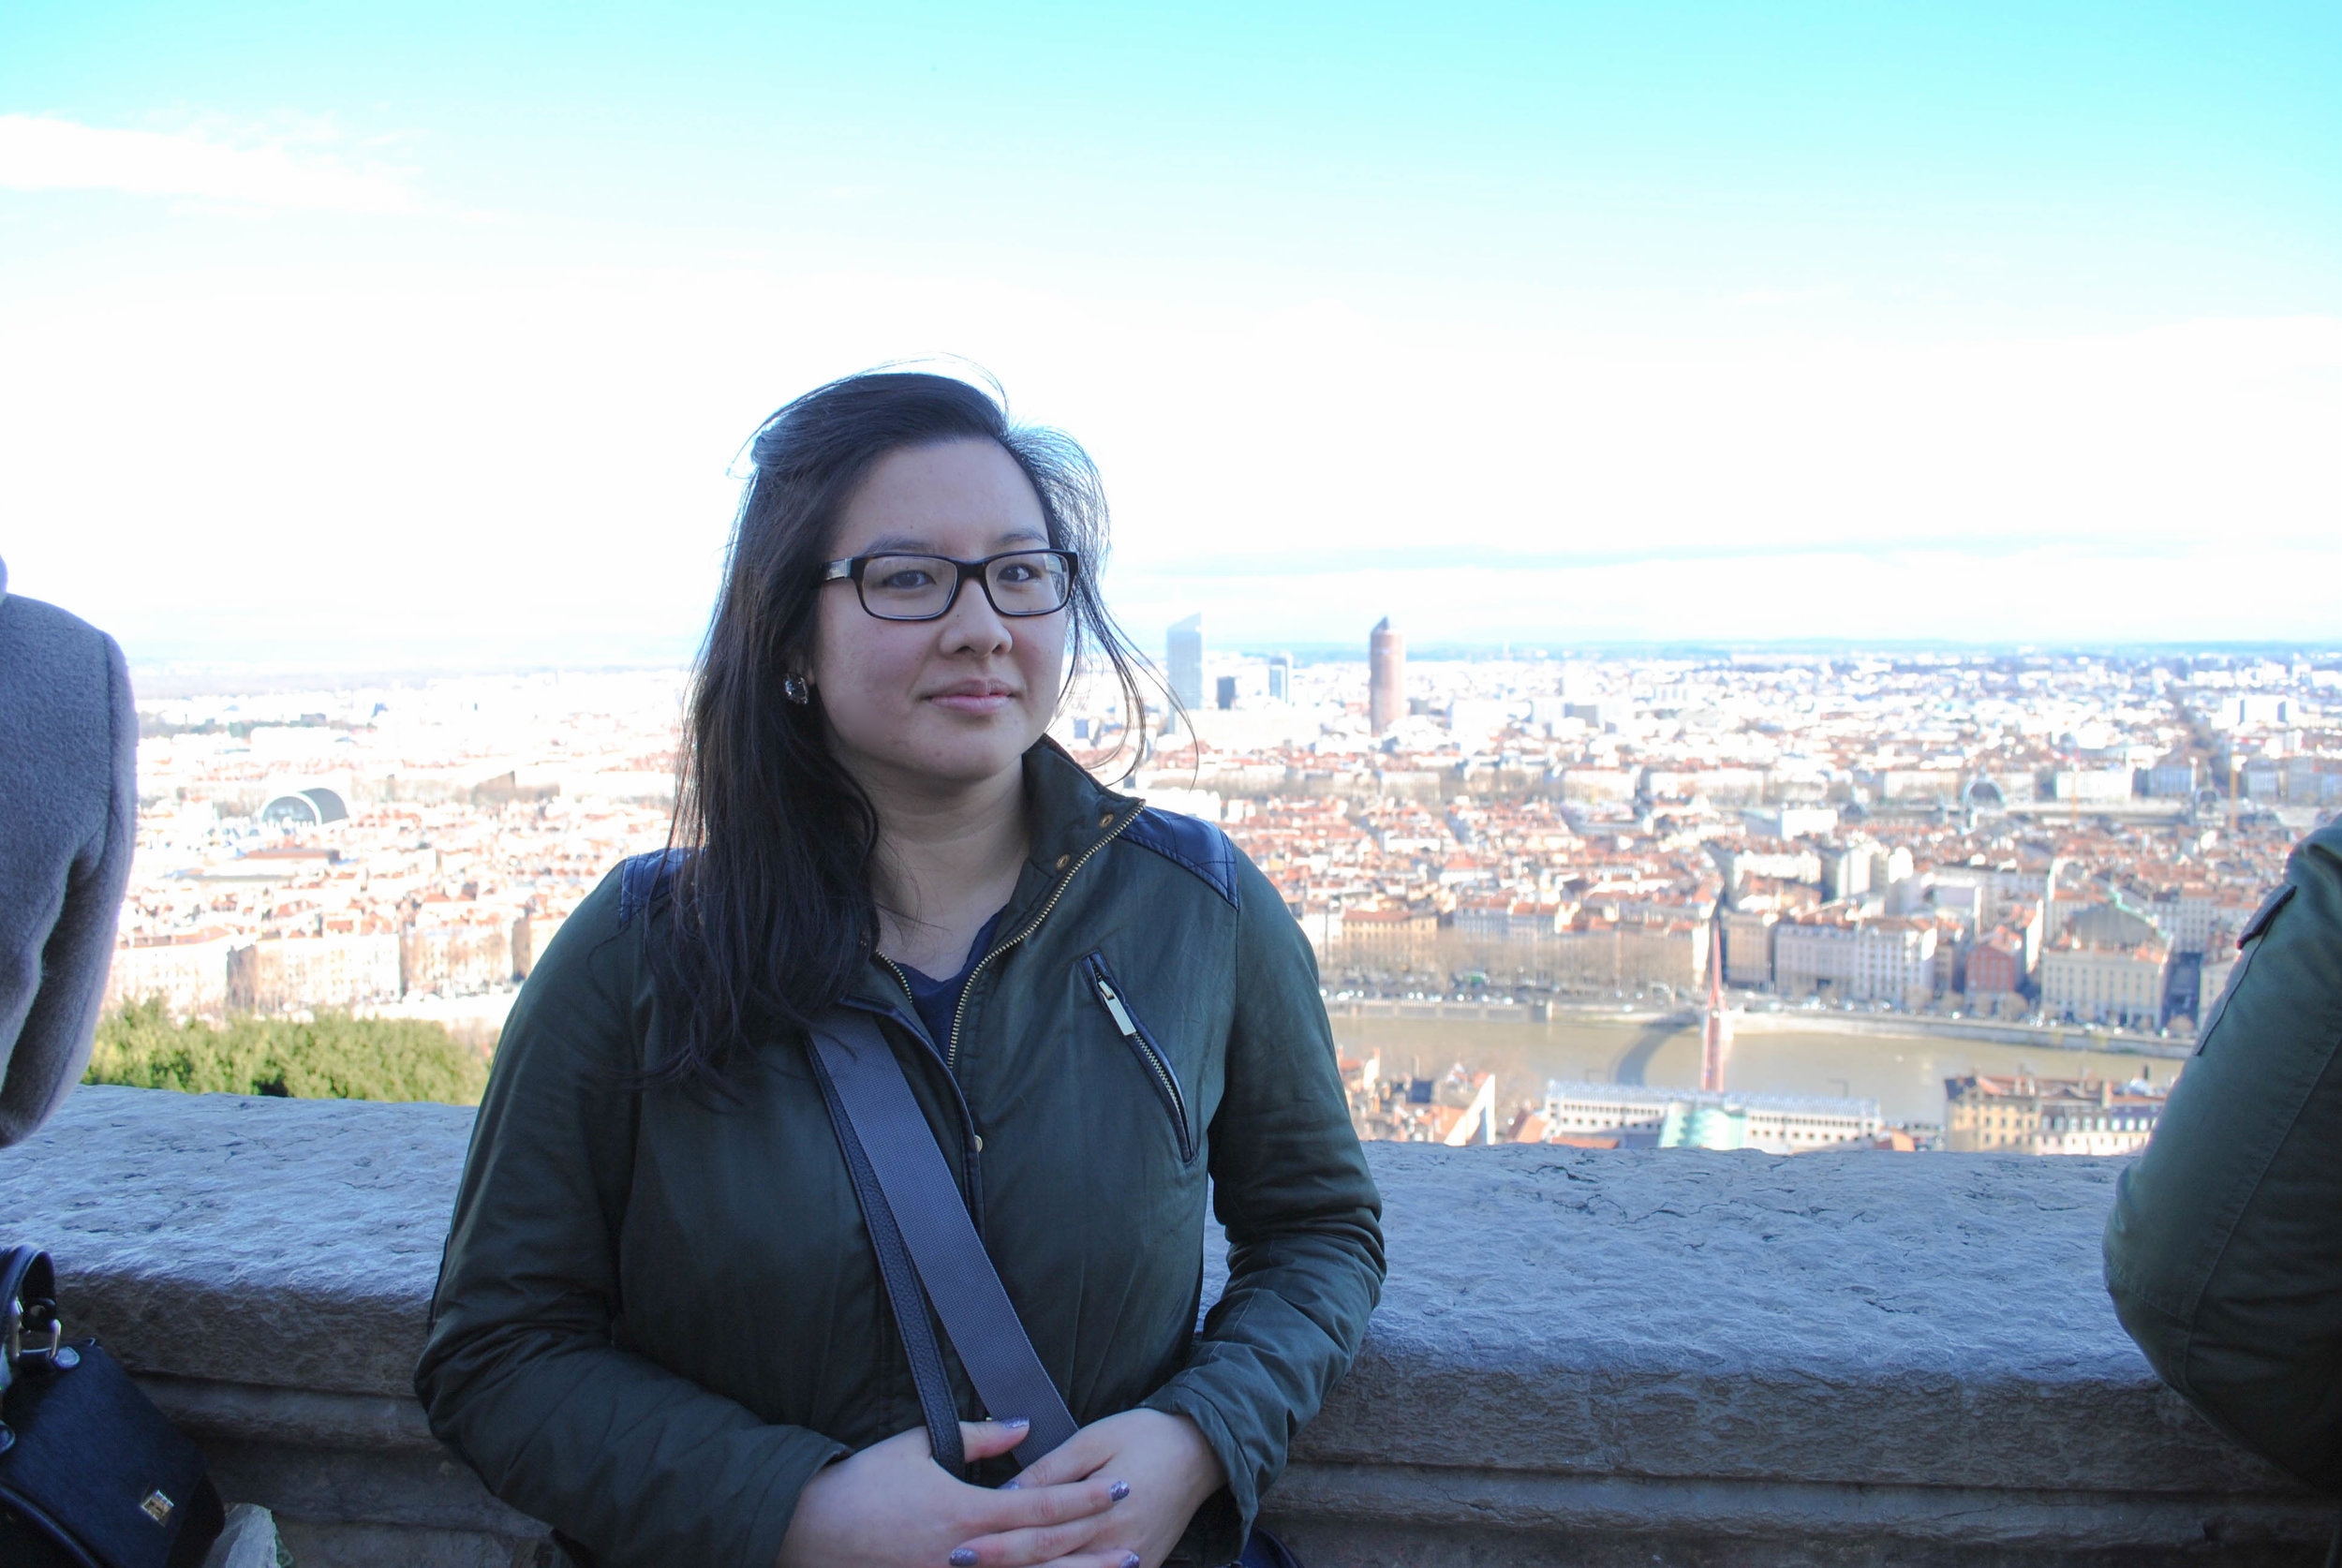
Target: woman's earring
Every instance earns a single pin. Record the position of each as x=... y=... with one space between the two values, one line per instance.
x=797 y=690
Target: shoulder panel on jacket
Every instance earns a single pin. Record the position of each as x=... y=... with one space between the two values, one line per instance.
x=641 y=877
x=1191 y=842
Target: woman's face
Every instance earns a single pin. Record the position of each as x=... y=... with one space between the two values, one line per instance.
x=950 y=702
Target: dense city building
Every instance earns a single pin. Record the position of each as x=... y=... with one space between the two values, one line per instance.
x=2050 y=1116
x=1932 y=837
x=1634 y=1115
x=1183 y=650
x=1912 y=835
x=1387 y=676
x=386 y=848
x=2091 y=983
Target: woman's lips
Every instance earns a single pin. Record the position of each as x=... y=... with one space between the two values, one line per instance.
x=976 y=698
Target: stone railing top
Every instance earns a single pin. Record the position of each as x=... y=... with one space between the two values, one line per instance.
x=1917 y=1320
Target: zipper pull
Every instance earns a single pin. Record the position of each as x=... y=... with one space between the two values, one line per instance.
x=1113 y=1005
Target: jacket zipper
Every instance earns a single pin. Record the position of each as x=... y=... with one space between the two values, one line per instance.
x=1149 y=1056
x=970 y=1167
x=951 y=1048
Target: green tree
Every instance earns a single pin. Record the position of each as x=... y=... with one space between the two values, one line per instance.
x=334 y=1057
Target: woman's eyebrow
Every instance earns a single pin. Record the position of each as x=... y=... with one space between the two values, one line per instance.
x=911 y=545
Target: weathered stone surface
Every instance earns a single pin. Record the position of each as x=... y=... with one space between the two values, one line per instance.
x=361 y=1423
x=1926 y=1320
x=277 y=1242
x=341 y=1544
x=1518 y=1516
x=1582 y=1357
x=318 y=1482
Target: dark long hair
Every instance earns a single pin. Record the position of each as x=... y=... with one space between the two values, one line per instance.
x=769 y=912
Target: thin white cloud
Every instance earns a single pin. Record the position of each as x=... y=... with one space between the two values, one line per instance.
x=40 y=154
x=459 y=446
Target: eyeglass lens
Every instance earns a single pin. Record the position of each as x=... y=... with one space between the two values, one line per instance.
x=918 y=587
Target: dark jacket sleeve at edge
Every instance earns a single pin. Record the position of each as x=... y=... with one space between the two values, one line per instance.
x=2224 y=1250
x=1304 y=1220
x=520 y=1376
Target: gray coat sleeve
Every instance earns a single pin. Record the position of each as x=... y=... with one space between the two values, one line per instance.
x=69 y=800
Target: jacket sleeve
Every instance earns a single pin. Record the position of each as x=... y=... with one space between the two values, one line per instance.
x=68 y=796
x=520 y=1374
x=1302 y=1216
x=2224 y=1250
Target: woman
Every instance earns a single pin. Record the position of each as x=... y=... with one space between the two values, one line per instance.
x=659 y=1323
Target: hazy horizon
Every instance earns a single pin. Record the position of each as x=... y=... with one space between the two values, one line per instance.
x=166 y=678
x=444 y=328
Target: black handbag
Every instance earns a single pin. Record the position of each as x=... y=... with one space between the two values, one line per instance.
x=91 y=1473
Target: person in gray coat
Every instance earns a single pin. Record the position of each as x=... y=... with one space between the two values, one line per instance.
x=68 y=815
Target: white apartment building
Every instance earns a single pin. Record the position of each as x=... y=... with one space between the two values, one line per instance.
x=191 y=977
x=458 y=958
x=1810 y=955
x=2188 y=915
x=1983 y=893
x=2050 y=1116
x=1504 y=919
x=2102 y=785
x=1789 y=862
x=1776 y=1124
x=279 y=973
x=1888 y=959
x=1717 y=785
x=1894 y=959
x=2105 y=984
x=2183 y=914
x=2111 y=1122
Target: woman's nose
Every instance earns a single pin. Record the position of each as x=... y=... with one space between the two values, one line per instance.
x=973 y=625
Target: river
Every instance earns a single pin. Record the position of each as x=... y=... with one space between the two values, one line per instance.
x=1905 y=1073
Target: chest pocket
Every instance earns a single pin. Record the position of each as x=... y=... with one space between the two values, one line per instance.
x=2248 y=946
x=1152 y=1058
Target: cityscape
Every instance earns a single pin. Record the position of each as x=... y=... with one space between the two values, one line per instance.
x=1758 y=583
x=1609 y=900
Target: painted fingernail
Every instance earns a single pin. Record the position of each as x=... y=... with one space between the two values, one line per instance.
x=964 y=1556
x=1130 y=1560
x=1015 y=1421
x=1012 y=1485
x=1118 y=1490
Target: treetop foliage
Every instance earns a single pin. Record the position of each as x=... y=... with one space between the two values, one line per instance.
x=334 y=1057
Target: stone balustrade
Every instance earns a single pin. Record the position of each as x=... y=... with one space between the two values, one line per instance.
x=1582 y=1357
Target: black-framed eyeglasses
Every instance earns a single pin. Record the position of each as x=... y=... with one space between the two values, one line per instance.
x=900 y=587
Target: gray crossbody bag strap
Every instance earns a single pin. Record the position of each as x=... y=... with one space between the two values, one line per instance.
x=923 y=1202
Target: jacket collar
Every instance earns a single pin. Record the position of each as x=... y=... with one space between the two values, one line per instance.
x=1068 y=815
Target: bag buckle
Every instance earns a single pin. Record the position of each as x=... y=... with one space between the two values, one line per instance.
x=56 y=1353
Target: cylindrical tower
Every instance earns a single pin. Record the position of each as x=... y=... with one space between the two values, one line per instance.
x=1387 y=678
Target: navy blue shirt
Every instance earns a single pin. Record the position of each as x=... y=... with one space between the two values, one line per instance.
x=938 y=1000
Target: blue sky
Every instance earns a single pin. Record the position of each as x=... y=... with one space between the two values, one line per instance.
x=364 y=333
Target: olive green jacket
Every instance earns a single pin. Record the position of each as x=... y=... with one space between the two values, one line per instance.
x=2224 y=1252
x=659 y=1315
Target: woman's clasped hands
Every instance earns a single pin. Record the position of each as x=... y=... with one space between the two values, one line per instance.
x=1118 y=1494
